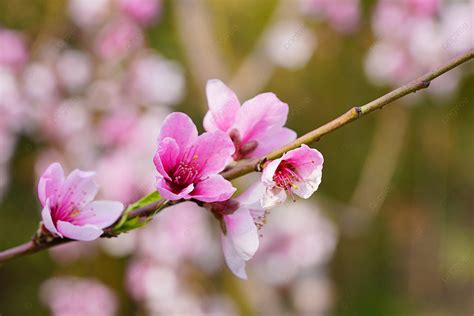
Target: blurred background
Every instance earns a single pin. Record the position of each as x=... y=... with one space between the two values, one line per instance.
x=391 y=229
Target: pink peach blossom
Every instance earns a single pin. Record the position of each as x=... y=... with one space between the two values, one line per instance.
x=188 y=164
x=240 y=238
x=118 y=39
x=143 y=12
x=256 y=128
x=88 y=14
x=155 y=80
x=298 y=172
x=298 y=239
x=13 y=51
x=170 y=238
x=72 y=296
x=68 y=207
x=342 y=15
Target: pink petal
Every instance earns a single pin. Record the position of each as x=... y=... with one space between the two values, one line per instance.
x=101 y=214
x=213 y=189
x=223 y=106
x=240 y=242
x=84 y=233
x=242 y=232
x=48 y=221
x=181 y=128
x=213 y=150
x=306 y=188
x=235 y=263
x=269 y=172
x=209 y=123
x=307 y=161
x=50 y=182
x=251 y=197
x=166 y=156
x=259 y=115
x=79 y=189
x=167 y=193
x=273 y=140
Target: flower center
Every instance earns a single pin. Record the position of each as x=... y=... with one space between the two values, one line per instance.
x=184 y=174
x=187 y=171
x=285 y=176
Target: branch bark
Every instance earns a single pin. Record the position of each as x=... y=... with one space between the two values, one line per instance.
x=253 y=165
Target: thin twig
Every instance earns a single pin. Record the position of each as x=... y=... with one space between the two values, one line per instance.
x=353 y=114
x=255 y=164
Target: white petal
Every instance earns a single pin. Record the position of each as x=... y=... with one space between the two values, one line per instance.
x=269 y=172
x=235 y=263
x=84 y=233
x=272 y=197
x=306 y=188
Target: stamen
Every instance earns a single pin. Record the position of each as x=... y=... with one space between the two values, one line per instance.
x=260 y=220
x=285 y=177
x=187 y=169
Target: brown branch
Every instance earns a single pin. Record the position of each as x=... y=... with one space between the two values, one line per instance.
x=353 y=114
x=255 y=164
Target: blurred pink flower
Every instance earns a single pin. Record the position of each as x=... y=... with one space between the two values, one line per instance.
x=13 y=51
x=39 y=82
x=170 y=238
x=74 y=69
x=424 y=7
x=118 y=39
x=188 y=164
x=389 y=63
x=142 y=11
x=130 y=141
x=13 y=109
x=88 y=14
x=299 y=172
x=256 y=128
x=413 y=36
x=162 y=290
x=71 y=296
x=342 y=15
x=115 y=129
x=298 y=238
x=240 y=237
x=156 y=81
x=68 y=206
x=121 y=246
x=395 y=18
x=290 y=44
x=73 y=251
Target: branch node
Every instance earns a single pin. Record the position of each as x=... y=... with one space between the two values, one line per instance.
x=259 y=165
x=425 y=84
x=358 y=110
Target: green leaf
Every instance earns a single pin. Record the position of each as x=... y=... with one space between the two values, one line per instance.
x=147 y=199
x=153 y=197
x=129 y=224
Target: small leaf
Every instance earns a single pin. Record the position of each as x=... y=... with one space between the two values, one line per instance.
x=129 y=224
x=147 y=199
